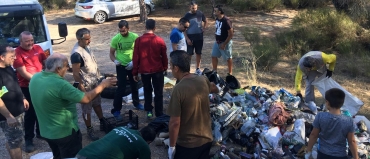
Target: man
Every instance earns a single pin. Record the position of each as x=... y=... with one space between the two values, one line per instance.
x=190 y=122
x=121 y=50
x=55 y=105
x=12 y=104
x=177 y=37
x=194 y=34
x=30 y=60
x=130 y=144
x=150 y=60
x=223 y=45
x=310 y=66
x=86 y=72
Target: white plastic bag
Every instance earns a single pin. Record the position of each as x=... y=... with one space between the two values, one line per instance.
x=42 y=155
x=299 y=128
x=351 y=103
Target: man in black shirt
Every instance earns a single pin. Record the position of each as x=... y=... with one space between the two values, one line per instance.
x=12 y=103
x=223 y=45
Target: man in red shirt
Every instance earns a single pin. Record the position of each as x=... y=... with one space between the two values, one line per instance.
x=29 y=60
x=150 y=60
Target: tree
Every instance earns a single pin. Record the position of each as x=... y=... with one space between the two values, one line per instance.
x=213 y=4
x=143 y=14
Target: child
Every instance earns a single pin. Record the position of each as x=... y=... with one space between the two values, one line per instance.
x=333 y=129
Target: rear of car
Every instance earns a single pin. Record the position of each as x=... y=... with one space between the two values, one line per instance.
x=86 y=9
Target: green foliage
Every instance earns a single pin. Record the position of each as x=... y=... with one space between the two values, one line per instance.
x=267 y=5
x=270 y=5
x=267 y=53
x=162 y=3
x=239 y=5
x=56 y=4
x=252 y=35
x=305 y=3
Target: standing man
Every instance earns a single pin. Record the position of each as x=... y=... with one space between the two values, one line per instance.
x=12 y=104
x=121 y=51
x=30 y=60
x=190 y=123
x=55 y=105
x=310 y=66
x=223 y=45
x=194 y=34
x=177 y=37
x=150 y=60
x=86 y=72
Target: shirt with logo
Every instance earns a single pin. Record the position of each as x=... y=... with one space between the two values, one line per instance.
x=124 y=47
x=32 y=60
x=177 y=37
x=222 y=25
x=195 y=31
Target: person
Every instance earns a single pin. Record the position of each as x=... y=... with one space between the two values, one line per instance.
x=333 y=129
x=310 y=66
x=121 y=51
x=30 y=60
x=223 y=45
x=177 y=37
x=12 y=104
x=55 y=105
x=130 y=144
x=85 y=71
x=194 y=34
x=190 y=122
x=150 y=60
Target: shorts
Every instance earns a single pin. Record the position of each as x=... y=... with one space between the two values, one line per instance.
x=14 y=135
x=87 y=108
x=226 y=54
x=197 y=47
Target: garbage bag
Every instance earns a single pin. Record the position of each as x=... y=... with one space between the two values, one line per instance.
x=160 y=124
x=351 y=103
x=299 y=128
x=43 y=155
x=292 y=138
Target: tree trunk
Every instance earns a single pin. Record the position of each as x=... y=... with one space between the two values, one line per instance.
x=143 y=15
x=213 y=4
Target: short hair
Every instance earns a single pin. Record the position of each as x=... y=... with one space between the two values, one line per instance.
x=148 y=133
x=122 y=23
x=193 y=3
x=24 y=33
x=150 y=24
x=184 y=20
x=219 y=7
x=309 y=62
x=181 y=59
x=81 y=32
x=335 y=97
x=55 y=61
x=3 y=50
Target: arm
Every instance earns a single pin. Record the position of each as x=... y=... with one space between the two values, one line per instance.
x=352 y=144
x=76 y=75
x=89 y=96
x=135 y=58
x=330 y=59
x=298 y=80
x=229 y=36
x=112 y=55
x=174 y=127
x=5 y=112
x=174 y=46
x=164 y=55
x=214 y=88
x=23 y=72
x=205 y=22
x=313 y=138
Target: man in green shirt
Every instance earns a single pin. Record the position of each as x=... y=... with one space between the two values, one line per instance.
x=129 y=144
x=55 y=104
x=121 y=51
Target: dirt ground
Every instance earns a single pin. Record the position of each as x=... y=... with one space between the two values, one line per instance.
x=282 y=76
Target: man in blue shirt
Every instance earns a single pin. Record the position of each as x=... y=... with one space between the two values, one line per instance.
x=177 y=37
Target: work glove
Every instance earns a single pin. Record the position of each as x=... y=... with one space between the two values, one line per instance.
x=129 y=66
x=117 y=62
x=299 y=95
x=165 y=73
x=329 y=73
x=171 y=152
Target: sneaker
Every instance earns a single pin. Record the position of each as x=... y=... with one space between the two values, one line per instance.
x=29 y=146
x=140 y=107
x=91 y=134
x=117 y=115
x=198 y=72
x=101 y=126
x=149 y=114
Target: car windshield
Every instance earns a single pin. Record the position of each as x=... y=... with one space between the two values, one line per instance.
x=12 y=23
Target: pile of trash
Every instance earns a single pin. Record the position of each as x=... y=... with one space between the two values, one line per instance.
x=269 y=124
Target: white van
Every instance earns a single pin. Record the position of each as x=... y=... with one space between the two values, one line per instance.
x=17 y=16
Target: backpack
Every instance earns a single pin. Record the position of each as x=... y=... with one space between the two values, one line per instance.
x=277 y=114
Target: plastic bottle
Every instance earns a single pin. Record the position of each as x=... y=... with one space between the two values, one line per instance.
x=302 y=115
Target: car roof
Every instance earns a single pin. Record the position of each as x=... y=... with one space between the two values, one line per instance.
x=16 y=2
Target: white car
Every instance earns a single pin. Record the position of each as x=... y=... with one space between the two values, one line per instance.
x=101 y=10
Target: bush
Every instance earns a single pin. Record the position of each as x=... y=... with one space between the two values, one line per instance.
x=270 y=5
x=252 y=35
x=239 y=5
x=267 y=5
x=162 y=3
x=267 y=53
x=305 y=3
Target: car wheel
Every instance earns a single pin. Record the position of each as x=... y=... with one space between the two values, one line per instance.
x=100 y=17
x=148 y=10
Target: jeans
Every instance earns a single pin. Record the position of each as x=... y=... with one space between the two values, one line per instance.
x=122 y=74
x=30 y=118
x=66 y=147
x=156 y=81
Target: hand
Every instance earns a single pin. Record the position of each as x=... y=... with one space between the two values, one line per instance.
x=12 y=122
x=117 y=62
x=129 y=66
x=109 y=82
x=308 y=155
x=165 y=73
x=188 y=41
x=171 y=152
x=299 y=95
x=222 y=46
x=26 y=104
x=136 y=78
x=329 y=73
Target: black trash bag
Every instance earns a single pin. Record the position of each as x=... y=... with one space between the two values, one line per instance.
x=362 y=126
x=160 y=124
x=235 y=136
x=232 y=82
x=308 y=128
